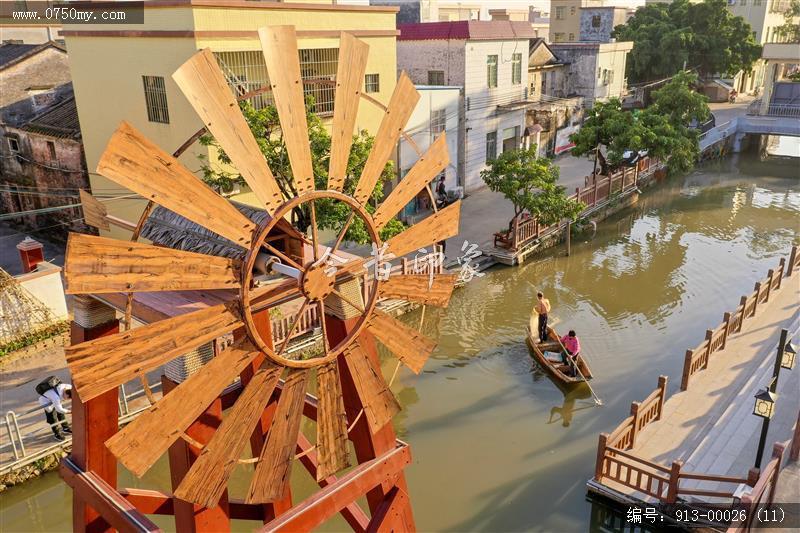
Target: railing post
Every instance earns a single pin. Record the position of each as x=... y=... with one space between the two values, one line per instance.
x=781 y=270
x=777 y=453
x=635 y=414
x=515 y=234
x=743 y=303
x=771 y=277
x=601 y=457
x=726 y=318
x=794 y=451
x=674 y=480
x=709 y=336
x=792 y=260
x=594 y=198
x=662 y=395
x=757 y=290
x=752 y=476
x=687 y=366
x=578 y=192
x=404 y=266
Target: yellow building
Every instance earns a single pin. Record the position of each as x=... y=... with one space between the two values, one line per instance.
x=124 y=72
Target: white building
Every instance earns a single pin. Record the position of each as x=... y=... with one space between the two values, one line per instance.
x=437 y=112
x=489 y=60
x=596 y=70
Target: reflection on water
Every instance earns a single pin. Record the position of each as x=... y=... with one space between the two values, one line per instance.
x=497 y=446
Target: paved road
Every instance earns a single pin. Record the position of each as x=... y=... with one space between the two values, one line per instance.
x=724 y=111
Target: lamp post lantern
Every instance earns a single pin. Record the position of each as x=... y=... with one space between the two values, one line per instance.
x=764 y=406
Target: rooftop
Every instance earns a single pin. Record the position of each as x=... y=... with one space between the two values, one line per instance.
x=60 y=120
x=11 y=54
x=476 y=30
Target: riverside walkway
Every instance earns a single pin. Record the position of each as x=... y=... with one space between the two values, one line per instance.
x=699 y=444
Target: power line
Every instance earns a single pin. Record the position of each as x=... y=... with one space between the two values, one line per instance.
x=68 y=222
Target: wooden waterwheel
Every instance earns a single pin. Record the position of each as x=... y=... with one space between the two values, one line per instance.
x=266 y=277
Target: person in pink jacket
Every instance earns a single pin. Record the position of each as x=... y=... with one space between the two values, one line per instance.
x=572 y=346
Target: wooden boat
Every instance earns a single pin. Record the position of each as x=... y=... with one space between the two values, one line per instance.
x=552 y=362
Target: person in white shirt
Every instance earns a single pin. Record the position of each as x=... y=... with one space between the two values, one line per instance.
x=51 y=400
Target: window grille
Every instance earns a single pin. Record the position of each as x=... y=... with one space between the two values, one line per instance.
x=491 y=146
x=438 y=121
x=491 y=70
x=516 y=69
x=372 y=83
x=155 y=97
x=435 y=77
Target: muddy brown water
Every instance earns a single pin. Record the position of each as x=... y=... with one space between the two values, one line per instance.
x=496 y=445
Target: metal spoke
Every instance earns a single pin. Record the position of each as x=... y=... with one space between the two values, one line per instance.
x=344 y=229
x=295 y=322
x=359 y=307
x=321 y=311
x=283 y=256
x=314 y=236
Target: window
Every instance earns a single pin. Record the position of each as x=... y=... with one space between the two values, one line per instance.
x=516 y=69
x=560 y=13
x=491 y=146
x=491 y=71
x=558 y=37
x=572 y=10
x=155 y=97
x=435 y=77
x=13 y=146
x=372 y=83
x=756 y=2
x=438 y=121
x=544 y=82
x=599 y=73
x=51 y=147
x=571 y=37
x=595 y=21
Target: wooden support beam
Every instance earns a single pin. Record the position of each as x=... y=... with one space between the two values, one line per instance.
x=116 y=511
x=391 y=506
x=313 y=511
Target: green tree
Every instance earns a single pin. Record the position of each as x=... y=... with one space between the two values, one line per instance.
x=705 y=36
x=679 y=102
x=265 y=125
x=530 y=183
x=789 y=31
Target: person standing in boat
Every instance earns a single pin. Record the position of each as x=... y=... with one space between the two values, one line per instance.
x=572 y=347
x=542 y=308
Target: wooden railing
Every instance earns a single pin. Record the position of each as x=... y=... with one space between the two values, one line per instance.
x=763 y=492
x=308 y=321
x=716 y=339
x=597 y=191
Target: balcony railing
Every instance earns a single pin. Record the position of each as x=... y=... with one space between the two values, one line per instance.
x=774 y=110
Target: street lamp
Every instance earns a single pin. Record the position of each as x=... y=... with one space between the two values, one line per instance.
x=765 y=399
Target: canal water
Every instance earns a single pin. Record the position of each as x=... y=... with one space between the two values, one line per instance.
x=496 y=445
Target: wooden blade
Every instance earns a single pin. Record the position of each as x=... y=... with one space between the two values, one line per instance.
x=331 y=422
x=379 y=403
x=136 y=163
x=433 y=229
x=204 y=85
x=207 y=478
x=401 y=105
x=271 y=477
x=409 y=345
x=423 y=171
x=349 y=79
x=139 y=444
x=279 y=44
x=101 y=265
x=94 y=213
x=419 y=288
x=108 y=362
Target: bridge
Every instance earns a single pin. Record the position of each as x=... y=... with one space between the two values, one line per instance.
x=698 y=446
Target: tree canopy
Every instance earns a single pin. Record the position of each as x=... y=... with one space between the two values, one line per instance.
x=530 y=183
x=662 y=129
x=265 y=125
x=703 y=35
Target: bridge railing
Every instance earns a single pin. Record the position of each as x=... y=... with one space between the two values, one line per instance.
x=716 y=339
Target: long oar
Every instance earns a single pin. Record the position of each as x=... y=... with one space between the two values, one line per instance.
x=574 y=362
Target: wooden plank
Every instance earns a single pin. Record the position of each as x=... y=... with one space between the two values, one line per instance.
x=423 y=171
x=116 y=510
x=401 y=105
x=94 y=213
x=102 y=265
x=431 y=230
x=271 y=478
x=313 y=511
x=418 y=288
x=279 y=44
x=409 y=345
x=136 y=163
x=108 y=362
x=331 y=422
x=139 y=444
x=381 y=521
x=208 y=477
x=204 y=85
x=349 y=79
x=379 y=403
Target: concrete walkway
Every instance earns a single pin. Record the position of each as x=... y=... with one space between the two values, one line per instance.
x=710 y=427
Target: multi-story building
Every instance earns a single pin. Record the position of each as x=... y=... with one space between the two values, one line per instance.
x=596 y=70
x=124 y=72
x=487 y=59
